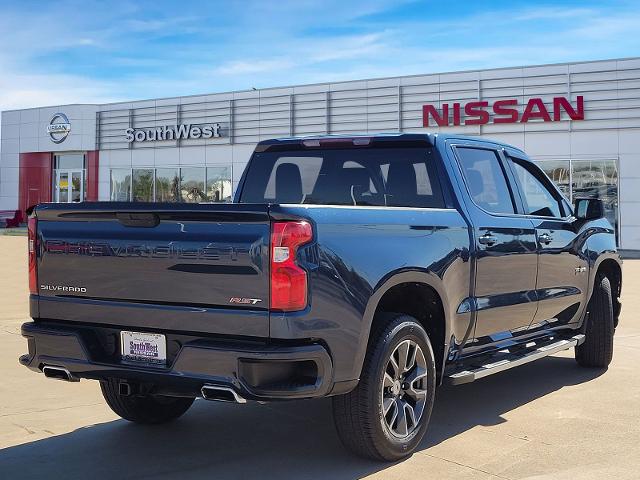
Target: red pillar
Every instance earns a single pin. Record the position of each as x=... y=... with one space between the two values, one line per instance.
x=35 y=180
x=92 y=175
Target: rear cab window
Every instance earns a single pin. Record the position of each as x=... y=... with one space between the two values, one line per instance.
x=375 y=176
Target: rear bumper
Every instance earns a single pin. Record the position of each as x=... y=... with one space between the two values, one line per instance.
x=255 y=371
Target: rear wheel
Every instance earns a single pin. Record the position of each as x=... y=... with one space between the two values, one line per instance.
x=597 y=349
x=144 y=408
x=387 y=414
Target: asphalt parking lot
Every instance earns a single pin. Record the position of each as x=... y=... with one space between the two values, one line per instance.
x=546 y=420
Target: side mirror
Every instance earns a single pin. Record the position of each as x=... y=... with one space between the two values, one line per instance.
x=588 y=208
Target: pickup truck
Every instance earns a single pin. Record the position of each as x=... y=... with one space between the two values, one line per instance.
x=370 y=269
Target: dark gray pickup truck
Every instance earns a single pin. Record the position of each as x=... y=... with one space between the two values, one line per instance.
x=369 y=268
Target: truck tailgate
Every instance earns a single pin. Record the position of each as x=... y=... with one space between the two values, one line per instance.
x=179 y=266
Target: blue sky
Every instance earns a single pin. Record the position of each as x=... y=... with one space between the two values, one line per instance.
x=57 y=52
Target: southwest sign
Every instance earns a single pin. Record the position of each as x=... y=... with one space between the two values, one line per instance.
x=173 y=132
x=504 y=111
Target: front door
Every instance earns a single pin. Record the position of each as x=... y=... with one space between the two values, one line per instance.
x=69 y=186
x=563 y=268
x=506 y=253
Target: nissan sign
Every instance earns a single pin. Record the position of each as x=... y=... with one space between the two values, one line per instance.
x=173 y=132
x=504 y=111
x=59 y=128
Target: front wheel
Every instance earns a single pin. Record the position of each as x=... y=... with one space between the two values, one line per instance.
x=597 y=348
x=145 y=409
x=387 y=414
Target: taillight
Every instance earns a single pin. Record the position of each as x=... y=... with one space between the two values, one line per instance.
x=288 y=280
x=32 y=230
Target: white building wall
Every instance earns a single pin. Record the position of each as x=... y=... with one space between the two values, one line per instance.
x=611 y=129
x=25 y=131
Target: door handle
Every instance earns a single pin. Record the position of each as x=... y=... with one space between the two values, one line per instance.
x=545 y=238
x=488 y=239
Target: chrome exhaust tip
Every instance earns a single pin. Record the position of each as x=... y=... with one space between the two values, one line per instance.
x=221 y=394
x=59 y=373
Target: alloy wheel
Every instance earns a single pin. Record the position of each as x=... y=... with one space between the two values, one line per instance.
x=404 y=389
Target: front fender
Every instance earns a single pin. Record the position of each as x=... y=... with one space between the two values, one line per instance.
x=601 y=248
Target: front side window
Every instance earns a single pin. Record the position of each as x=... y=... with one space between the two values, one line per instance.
x=400 y=177
x=538 y=199
x=485 y=179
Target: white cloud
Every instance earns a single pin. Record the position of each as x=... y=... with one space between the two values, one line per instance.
x=552 y=13
x=24 y=91
x=350 y=47
x=244 y=67
x=305 y=54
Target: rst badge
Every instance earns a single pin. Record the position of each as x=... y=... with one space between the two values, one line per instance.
x=244 y=301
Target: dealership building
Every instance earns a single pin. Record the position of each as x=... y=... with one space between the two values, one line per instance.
x=579 y=121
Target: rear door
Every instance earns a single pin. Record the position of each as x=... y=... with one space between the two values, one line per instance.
x=563 y=267
x=505 y=245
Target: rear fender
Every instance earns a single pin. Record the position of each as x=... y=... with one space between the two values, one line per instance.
x=391 y=280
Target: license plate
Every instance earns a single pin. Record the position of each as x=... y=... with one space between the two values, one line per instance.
x=143 y=347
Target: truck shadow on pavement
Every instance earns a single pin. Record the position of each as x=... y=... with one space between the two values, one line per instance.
x=281 y=440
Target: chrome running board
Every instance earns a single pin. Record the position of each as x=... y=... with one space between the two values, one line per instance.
x=469 y=375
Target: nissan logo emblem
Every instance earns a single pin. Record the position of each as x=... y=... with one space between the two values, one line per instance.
x=59 y=128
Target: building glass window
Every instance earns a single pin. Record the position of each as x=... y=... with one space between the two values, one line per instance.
x=593 y=178
x=69 y=161
x=219 y=184
x=171 y=184
x=167 y=185
x=597 y=179
x=192 y=185
x=120 y=185
x=62 y=187
x=143 y=185
x=69 y=177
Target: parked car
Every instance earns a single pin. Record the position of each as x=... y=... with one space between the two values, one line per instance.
x=370 y=269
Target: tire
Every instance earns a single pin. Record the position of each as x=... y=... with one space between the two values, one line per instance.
x=358 y=415
x=144 y=409
x=597 y=349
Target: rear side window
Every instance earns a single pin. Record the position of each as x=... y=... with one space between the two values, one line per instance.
x=402 y=177
x=485 y=179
